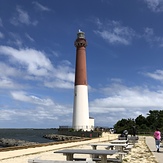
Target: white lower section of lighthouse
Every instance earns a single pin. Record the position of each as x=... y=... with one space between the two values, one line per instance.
x=81 y=110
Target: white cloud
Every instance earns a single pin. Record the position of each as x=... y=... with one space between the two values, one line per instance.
x=64 y=72
x=8 y=76
x=151 y=38
x=6 y=114
x=114 y=32
x=59 y=84
x=6 y=70
x=149 y=32
x=1 y=35
x=23 y=96
x=157 y=75
x=7 y=83
x=120 y=102
x=45 y=116
x=29 y=37
x=22 y=17
x=116 y=80
x=36 y=62
x=30 y=64
x=15 y=39
x=41 y=7
x=120 y=97
x=1 y=24
x=155 y=5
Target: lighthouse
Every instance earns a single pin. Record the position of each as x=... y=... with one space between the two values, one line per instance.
x=81 y=119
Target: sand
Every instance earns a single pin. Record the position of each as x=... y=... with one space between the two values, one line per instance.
x=139 y=154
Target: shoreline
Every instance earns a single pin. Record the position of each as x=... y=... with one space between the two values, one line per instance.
x=40 y=144
x=140 y=153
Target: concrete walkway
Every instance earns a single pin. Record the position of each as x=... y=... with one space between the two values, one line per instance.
x=31 y=151
x=151 y=144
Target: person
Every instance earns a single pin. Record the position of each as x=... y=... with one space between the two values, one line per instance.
x=157 y=136
x=123 y=135
x=134 y=130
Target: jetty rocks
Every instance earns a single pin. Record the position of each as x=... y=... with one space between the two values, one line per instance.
x=14 y=142
x=60 y=137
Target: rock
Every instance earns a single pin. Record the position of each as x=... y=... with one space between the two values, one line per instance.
x=60 y=137
x=14 y=142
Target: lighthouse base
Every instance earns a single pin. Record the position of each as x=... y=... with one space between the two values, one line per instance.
x=80 y=110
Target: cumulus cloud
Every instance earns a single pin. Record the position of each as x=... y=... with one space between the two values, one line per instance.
x=34 y=117
x=33 y=64
x=6 y=70
x=59 y=84
x=35 y=61
x=22 y=17
x=8 y=75
x=114 y=32
x=157 y=75
x=131 y=98
x=64 y=77
x=23 y=96
x=6 y=114
x=128 y=101
x=64 y=70
x=155 y=5
x=7 y=83
x=34 y=111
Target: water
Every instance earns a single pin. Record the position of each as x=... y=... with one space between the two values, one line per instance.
x=31 y=135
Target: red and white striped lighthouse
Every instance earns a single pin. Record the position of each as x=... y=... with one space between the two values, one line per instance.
x=81 y=109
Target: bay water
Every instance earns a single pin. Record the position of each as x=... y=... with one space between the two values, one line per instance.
x=31 y=135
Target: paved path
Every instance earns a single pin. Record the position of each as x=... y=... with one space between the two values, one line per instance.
x=151 y=144
x=31 y=151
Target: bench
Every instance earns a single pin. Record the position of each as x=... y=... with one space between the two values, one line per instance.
x=99 y=159
x=129 y=147
x=55 y=161
x=110 y=147
x=133 y=139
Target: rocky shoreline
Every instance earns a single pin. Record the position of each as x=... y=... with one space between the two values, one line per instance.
x=60 y=137
x=14 y=142
x=5 y=142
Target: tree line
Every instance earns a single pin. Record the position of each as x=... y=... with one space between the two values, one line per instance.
x=148 y=124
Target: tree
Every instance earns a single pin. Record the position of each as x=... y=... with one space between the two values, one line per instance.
x=140 y=120
x=124 y=124
x=143 y=124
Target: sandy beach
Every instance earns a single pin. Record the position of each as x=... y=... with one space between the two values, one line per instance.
x=139 y=153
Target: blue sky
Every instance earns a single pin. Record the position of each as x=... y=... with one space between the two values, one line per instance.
x=37 y=60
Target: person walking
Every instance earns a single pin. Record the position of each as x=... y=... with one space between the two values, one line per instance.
x=157 y=136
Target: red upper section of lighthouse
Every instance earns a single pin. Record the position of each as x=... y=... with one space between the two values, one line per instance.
x=80 y=71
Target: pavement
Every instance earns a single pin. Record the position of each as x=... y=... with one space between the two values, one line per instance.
x=19 y=155
x=4 y=155
x=151 y=144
